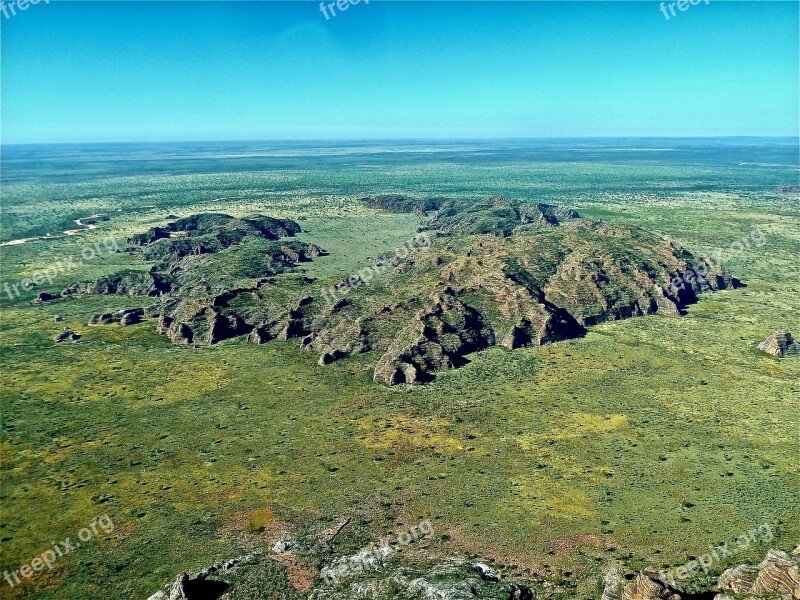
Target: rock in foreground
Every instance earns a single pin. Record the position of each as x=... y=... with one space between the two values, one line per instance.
x=777 y=577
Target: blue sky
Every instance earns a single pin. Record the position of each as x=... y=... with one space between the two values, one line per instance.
x=136 y=71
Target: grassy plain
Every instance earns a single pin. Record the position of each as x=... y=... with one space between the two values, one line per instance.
x=645 y=442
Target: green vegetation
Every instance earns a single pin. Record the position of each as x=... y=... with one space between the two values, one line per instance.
x=645 y=441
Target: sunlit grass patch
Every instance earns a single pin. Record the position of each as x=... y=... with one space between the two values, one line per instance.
x=405 y=433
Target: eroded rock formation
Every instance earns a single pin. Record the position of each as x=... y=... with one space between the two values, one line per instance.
x=780 y=344
x=776 y=576
x=498 y=272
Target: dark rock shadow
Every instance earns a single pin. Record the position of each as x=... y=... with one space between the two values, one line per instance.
x=699 y=596
x=205 y=589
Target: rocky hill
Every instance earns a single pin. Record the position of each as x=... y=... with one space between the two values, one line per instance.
x=498 y=272
x=398 y=203
x=464 y=294
x=498 y=216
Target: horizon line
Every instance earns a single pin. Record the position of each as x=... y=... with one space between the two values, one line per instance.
x=401 y=139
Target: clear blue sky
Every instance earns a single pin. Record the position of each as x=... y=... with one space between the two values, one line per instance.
x=136 y=71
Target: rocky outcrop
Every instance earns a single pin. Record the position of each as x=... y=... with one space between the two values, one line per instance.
x=786 y=189
x=343 y=339
x=131 y=317
x=614 y=583
x=294 y=255
x=180 y=333
x=486 y=572
x=235 y=313
x=398 y=203
x=164 y=321
x=225 y=227
x=67 y=335
x=259 y=335
x=646 y=585
x=222 y=327
x=518 y=591
x=527 y=289
x=739 y=580
x=123 y=316
x=375 y=573
x=207 y=233
x=498 y=216
x=497 y=272
x=201 y=586
x=101 y=319
x=191 y=282
x=777 y=576
x=130 y=283
x=73 y=287
x=438 y=340
x=780 y=344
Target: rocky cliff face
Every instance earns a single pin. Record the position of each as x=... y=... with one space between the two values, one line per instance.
x=438 y=339
x=375 y=572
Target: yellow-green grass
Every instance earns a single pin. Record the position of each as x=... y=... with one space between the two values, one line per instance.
x=645 y=441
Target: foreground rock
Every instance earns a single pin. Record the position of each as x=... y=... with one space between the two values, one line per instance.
x=369 y=575
x=776 y=578
x=201 y=587
x=645 y=586
x=375 y=572
x=780 y=344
